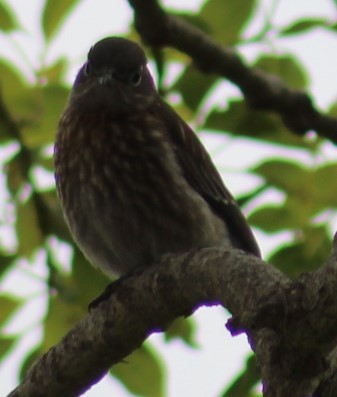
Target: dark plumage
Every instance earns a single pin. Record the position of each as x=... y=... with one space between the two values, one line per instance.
x=133 y=179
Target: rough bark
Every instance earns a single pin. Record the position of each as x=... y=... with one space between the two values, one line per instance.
x=291 y=324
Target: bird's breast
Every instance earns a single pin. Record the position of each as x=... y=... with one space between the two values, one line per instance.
x=123 y=193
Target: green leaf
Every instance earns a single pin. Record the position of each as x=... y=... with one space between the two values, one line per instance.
x=54 y=74
x=184 y=111
x=18 y=96
x=288 y=176
x=303 y=25
x=46 y=162
x=333 y=109
x=7 y=307
x=6 y=344
x=27 y=228
x=275 y=218
x=244 y=199
x=307 y=253
x=300 y=205
x=287 y=67
x=28 y=361
x=89 y=280
x=244 y=383
x=11 y=80
x=227 y=19
x=184 y=329
x=142 y=373
x=62 y=315
x=307 y=190
x=8 y=21
x=54 y=14
x=239 y=119
x=5 y=262
x=50 y=101
x=54 y=217
x=305 y=184
x=325 y=196
x=194 y=86
x=74 y=293
x=15 y=179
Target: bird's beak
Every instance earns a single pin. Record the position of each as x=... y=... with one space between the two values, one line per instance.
x=107 y=78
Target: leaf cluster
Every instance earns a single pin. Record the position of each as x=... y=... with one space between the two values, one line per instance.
x=29 y=112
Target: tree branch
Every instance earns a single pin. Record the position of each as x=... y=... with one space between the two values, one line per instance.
x=261 y=90
x=280 y=317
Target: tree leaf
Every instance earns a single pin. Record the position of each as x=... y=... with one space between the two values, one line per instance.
x=90 y=280
x=142 y=373
x=244 y=199
x=226 y=19
x=5 y=262
x=307 y=194
x=307 y=253
x=191 y=92
x=28 y=361
x=333 y=109
x=8 y=21
x=303 y=25
x=54 y=218
x=287 y=67
x=243 y=384
x=49 y=104
x=18 y=96
x=11 y=78
x=276 y=218
x=61 y=316
x=239 y=119
x=54 y=14
x=7 y=306
x=286 y=175
x=184 y=329
x=326 y=191
x=54 y=73
x=300 y=205
x=6 y=344
x=74 y=293
x=15 y=179
x=27 y=228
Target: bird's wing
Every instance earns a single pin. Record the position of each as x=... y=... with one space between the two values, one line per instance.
x=200 y=172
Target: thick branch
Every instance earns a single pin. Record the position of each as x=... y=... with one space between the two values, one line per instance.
x=279 y=317
x=261 y=90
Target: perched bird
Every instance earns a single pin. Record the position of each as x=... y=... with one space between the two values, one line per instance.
x=133 y=179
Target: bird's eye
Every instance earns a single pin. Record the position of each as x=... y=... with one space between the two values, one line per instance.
x=136 y=77
x=87 y=68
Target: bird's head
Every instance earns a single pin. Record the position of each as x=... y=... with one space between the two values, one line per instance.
x=115 y=75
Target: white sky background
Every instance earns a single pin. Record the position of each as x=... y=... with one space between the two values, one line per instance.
x=191 y=372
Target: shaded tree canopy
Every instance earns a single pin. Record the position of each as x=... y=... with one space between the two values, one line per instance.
x=285 y=308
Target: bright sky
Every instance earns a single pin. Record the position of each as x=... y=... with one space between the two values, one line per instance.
x=221 y=356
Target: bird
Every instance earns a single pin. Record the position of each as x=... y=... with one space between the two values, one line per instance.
x=133 y=179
